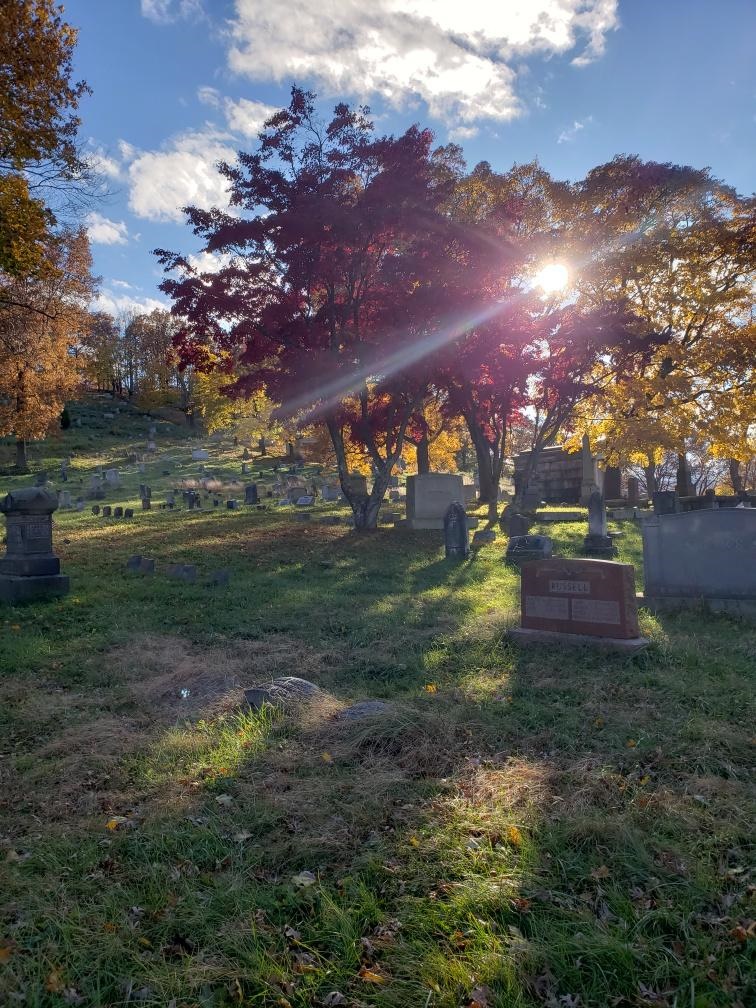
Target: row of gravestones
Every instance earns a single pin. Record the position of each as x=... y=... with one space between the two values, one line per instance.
x=178 y=572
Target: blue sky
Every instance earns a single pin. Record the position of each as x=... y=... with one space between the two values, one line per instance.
x=180 y=84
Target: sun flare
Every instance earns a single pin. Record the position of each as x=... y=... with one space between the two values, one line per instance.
x=552 y=277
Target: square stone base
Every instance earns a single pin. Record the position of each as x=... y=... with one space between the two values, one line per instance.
x=625 y=646
x=22 y=589
x=673 y=603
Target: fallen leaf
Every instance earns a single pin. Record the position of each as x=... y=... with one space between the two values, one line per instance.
x=326 y=757
x=304 y=879
x=601 y=872
x=430 y=687
x=291 y=933
x=54 y=982
x=514 y=836
x=631 y=743
x=480 y=997
x=115 y=822
x=414 y=842
x=305 y=963
x=371 y=975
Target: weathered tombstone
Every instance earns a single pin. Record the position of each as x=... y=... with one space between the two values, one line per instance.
x=141 y=468
x=152 y=431
x=483 y=536
x=295 y=492
x=305 y=501
x=29 y=568
x=216 y=502
x=684 y=483
x=200 y=455
x=245 y=455
x=219 y=578
x=705 y=556
x=79 y=504
x=112 y=478
x=580 y=601
x=633 y=495
x=514 y=523
x=456 y=533
x=598 y=541
x=146 y=504
x=64 y=499
x=250 y=494
x=107 y=511
x=118 y=512
x=589 y=482
x=128 y=512
x=134 y=562
x=244 y=468
x=151 y=446
x=147 y=565
x=95 y=509
x=524 y=548
x=612 y=483
x=666 y=502
x=232 y=505
x=358 y=485
x=428 y=498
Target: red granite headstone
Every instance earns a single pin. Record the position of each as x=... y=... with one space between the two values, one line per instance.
x=591 y=597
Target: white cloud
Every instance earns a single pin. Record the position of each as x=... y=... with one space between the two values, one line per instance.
x=166 y=11
x=209 y=96
x=457 y=57
x=123 y=304
x=104 y=164
x=182 y=174
x=104 y=231
x=569 y=134
x=121 y=283
x=245 y=116
x=209 y=262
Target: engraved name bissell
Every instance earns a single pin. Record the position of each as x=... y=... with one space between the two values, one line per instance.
x=570 y=587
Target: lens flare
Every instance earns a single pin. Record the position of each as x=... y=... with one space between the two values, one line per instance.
x=552 y=277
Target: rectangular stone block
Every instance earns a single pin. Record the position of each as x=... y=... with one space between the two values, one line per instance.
x=429 y=497
x=589 y=597
x=23 y=589
x=706 y=554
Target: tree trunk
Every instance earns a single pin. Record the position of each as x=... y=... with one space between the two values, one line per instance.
x=486 y=489
x=22 y=462
x=422 y=451
x=650 y=471
x=364 y=506
x=736 y=477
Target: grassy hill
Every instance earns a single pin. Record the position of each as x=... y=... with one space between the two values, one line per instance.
x=519 y=827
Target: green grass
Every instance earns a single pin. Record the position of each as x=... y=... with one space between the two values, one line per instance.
x=541 y=827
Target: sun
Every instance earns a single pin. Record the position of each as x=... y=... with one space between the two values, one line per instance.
x=552 y=277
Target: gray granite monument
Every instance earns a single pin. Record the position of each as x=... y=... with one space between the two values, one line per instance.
x=29 y=568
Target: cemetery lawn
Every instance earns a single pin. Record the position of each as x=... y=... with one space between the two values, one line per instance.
x=520 y=827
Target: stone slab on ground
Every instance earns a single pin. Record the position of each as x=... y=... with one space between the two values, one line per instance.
x=23 y=589
x=627 y=645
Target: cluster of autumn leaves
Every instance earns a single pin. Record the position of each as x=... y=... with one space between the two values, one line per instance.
x=377 y=287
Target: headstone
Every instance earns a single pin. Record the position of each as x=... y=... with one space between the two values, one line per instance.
x=147 y=565
x=95 y=509
x=152 y=431
x=633 y=495
x=79 y=505
x=598 y=541
x=146 y=504
x=302 y=516
x=701 y=556
x=244 y=469
x=245 y=455
x=151 y=446
x=107 y=511
x=456 y=534
x=29 y=568
x=589 y=482
x=64 y=499
x=524 y=548
x=580 y=601
x=182 y=572
x=250 y=494
x=118 y=512
x=219 y=578
x=128 y=512
x=232 y=505
x=330 y=492
x=428 y=499
x=112 y=477
x=612 y=483
x=483 y=536
x=141 y=468
x=684 y=484
x=134 y=562
x=666 y=502
x=295 y=492
x=200 y=455
x=306 y=501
